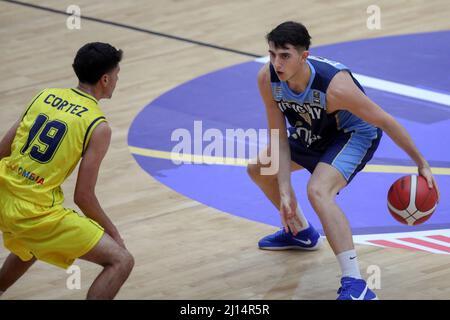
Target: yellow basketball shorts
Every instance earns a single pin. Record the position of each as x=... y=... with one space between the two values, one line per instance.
x=55 y=234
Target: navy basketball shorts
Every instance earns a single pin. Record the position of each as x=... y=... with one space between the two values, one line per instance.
x=348 y=153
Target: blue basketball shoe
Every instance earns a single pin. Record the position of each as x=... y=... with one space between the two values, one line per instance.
x=355 y=289
x=308 y=239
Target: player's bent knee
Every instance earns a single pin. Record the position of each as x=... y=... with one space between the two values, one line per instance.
x=316 y=194
x=107 y=252
x=125 y=263
x=124 y=257
x=128 y=261
x=254 y=171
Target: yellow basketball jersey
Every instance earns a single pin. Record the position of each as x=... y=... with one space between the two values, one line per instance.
x=51 y=139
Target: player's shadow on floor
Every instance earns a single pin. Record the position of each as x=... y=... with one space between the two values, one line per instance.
x=298 y=279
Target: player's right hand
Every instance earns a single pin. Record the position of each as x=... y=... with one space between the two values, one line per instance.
x=288 y=213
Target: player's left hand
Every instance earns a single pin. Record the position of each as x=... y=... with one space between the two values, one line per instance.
x=426 y=173
x=117 y=237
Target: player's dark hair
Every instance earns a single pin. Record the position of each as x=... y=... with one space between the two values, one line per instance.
x=95 y=59
x=290 y=32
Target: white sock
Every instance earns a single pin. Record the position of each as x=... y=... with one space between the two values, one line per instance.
x=348 y=261
x=301 y=216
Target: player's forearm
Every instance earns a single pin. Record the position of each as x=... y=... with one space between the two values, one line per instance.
x=284 y=170
x=402 y=138
x=89 y=205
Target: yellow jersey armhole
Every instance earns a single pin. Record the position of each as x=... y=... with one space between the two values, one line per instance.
x=89 y=131
x=32 y=102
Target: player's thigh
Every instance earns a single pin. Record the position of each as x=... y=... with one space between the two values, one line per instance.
x=106 y=252
x=348 y=155
x=326 y=178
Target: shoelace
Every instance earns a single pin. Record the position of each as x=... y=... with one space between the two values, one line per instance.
x=282 y=235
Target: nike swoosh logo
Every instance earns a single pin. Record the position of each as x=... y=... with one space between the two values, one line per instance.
x=308 y=242
x=351 y=258
x=363 y=294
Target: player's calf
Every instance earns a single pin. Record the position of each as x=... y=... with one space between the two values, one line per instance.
x=13 y=268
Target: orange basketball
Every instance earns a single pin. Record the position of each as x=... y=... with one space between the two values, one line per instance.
x=410 y=201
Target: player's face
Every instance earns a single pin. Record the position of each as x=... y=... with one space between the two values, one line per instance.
x=111 y=79
x=286 y=61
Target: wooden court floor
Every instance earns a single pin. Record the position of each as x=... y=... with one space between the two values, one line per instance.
x=183 y=249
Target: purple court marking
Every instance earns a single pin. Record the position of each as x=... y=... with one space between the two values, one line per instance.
x=229 y=98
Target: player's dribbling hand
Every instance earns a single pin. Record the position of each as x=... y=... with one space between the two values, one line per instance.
x=426 y=173
x=118 y=239
x=288 y=214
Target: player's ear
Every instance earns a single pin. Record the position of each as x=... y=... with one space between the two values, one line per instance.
x=305 y=55
x=104 y=80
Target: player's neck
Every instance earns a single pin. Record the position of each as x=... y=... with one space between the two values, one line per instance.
x=90 y=90
x=299 y=81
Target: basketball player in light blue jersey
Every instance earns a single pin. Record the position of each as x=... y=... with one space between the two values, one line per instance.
x=334 y=131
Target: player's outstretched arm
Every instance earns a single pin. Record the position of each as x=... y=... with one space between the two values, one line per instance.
x=276 y=121
x=5 y=143
x=343 y=94
x=84 y=196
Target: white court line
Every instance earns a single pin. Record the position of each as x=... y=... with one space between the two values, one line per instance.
x=395 y=87
x=393 y=236
x=404 y=90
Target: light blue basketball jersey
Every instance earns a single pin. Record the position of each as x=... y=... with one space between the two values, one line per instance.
x=306 y=111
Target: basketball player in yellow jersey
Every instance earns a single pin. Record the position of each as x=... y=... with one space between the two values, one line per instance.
x=60 y=127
